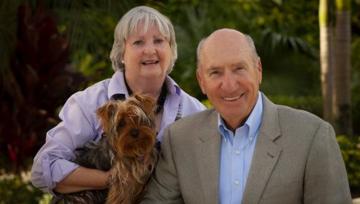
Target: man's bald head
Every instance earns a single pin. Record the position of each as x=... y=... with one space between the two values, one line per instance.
x=225 y=37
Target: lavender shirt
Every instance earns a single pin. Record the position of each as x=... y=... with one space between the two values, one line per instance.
x=79 y=125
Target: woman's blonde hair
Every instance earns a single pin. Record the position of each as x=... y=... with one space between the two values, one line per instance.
x=128 y=24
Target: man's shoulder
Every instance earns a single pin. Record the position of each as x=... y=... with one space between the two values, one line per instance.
x=195 y=120
x=287 y=114
x=297 y=114
x=297 y=119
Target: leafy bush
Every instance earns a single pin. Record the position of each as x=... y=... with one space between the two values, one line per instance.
x=350 y=150
x=313 y=104
x=36 y=82
x=356 y=104
x=17 y=189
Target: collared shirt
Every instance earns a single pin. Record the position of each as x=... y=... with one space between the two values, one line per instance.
x=79 y=125
x=236 y=155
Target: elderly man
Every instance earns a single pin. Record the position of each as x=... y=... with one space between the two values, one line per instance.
x=246 y=150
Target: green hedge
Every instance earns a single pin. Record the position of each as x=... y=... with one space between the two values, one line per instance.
x=313 y=104
x=350 y=149
x=17 y=189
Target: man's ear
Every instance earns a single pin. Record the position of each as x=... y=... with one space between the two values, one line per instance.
x=259 y=69
x=200 y=80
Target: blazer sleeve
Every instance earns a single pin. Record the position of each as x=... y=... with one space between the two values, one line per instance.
x=325 y=174
x=164 y=186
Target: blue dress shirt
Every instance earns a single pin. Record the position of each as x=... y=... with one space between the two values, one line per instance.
x=236 y=155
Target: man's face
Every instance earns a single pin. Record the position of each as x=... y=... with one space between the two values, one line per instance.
x=230 y=75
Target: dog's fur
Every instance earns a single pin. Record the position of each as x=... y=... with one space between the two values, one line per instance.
x=126 y=149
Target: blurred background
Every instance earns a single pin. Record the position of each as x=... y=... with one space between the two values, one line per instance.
x=49 y=49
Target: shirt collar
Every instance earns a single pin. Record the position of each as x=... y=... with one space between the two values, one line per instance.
x=253 y=122
x=117 y=85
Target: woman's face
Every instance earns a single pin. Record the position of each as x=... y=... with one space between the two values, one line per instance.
x=147 y=55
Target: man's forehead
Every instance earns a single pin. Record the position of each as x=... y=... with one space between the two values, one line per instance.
x=216 y=47
x=233 y=52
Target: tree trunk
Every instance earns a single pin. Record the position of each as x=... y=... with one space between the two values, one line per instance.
x=326 y=58
x=342 y=69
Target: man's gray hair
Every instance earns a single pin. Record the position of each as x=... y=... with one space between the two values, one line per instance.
x=202 y=41
x=128 y=25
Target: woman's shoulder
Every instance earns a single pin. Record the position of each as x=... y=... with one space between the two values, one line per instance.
x=89 y=99
x=191 y=100
x=188 y=102
x=94 y=92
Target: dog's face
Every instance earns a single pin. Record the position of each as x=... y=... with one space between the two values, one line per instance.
x=129 y=125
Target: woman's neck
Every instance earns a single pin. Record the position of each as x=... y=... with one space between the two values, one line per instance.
x=144 y=86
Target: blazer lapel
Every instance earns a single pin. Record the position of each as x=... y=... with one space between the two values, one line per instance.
x=265 y=156
x=208 y=155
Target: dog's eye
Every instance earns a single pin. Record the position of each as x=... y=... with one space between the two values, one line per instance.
x=121 y=123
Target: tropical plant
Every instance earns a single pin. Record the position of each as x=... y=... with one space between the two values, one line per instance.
x=36 y=82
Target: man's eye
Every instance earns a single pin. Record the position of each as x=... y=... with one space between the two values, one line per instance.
x=214 y=73
x=240 y=68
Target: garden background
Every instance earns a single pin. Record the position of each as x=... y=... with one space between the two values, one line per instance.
x=49 y=49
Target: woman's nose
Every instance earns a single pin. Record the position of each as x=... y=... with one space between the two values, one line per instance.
x=149 y=48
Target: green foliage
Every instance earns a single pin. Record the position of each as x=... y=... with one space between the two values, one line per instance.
x=207 y=103
x=15 y=189
x=356 y=109
x=312 y=104
x=38 y=79
x=90 y=33
x=355 y=53
x=350 y=149
x=275 y=27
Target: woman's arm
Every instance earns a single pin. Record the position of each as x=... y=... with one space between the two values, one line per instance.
x=83 y=179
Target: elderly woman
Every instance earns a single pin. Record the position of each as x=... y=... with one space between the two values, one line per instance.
x=143 y=54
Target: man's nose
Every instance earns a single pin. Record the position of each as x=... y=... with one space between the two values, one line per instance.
x=229 y=82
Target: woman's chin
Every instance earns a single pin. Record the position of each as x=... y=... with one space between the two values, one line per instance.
x=153 y=74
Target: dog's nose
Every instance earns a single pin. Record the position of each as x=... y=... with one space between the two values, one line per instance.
x=134 y=133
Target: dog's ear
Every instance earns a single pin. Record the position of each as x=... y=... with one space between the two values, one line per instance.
x=106 y=114
x=147 y=103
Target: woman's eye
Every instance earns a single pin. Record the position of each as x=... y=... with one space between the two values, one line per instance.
x=138 y=42
x=158 y=41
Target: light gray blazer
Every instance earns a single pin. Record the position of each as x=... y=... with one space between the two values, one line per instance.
x=296 y=160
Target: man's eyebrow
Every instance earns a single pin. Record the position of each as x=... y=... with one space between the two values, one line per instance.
x=213 y=68
x=239 y=64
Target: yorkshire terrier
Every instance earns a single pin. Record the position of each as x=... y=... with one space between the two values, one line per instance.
x=127 y=149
